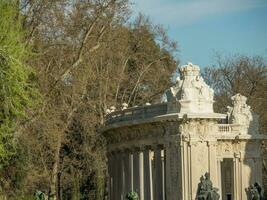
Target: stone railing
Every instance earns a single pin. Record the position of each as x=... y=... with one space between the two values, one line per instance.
x=228 y=128
x=136 y=113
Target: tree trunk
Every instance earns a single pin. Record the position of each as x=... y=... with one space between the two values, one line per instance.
x=55 y=190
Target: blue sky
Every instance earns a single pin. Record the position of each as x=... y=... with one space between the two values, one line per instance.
x=203 y=28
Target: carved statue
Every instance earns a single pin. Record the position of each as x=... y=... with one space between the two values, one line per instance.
x=191 y=92
x=205 y=189
x=172 y=93
x=241 y=114
x=255 y=192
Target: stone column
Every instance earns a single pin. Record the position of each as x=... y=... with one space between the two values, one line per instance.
x=136 y=172
x=109 y=175
x=127 y=165
x=120 y=175
x=163 y=161
x=185 y=168
x=123 y=176
x=158 y=175
x=237 y=185
x=219 y=175
x=116 y=176
x=172 y=163
x=141 y=172
x=147 y=175
x=132 y=171
x=112 y=175
x=192 y=176
x=242 y=179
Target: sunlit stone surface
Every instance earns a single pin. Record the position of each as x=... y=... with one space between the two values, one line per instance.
x=162 y=150
x=190 y=94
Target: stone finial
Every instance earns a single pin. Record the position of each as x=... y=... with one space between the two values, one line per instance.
x=242 y=114
x=124 y=106
x=107 y=111
x=112 y=109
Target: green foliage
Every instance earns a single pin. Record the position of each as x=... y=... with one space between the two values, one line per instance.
x=16 y=91
x=132 y=196
x=39 y=195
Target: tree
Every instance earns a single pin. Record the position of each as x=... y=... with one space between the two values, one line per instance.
x=88 y=58
x=18 y=94
x=239 y=74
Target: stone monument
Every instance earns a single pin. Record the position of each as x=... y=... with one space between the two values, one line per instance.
x=205 y=189
x=161 y=150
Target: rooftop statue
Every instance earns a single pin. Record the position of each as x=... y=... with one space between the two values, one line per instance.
x=242 y=114
x=191 y=92
x=205 y=189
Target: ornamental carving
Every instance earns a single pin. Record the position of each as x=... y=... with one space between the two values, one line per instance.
x=242 y=114
x=191 y=92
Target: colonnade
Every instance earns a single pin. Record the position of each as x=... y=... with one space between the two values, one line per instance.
x=140 y=169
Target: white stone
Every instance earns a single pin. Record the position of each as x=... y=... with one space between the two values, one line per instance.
x=190 y=94
x=112 y=109
x=242 y=114
x=173 y=144
x=108 y=111
x=124 y=106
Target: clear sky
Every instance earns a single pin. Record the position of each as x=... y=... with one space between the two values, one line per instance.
x=205 y=27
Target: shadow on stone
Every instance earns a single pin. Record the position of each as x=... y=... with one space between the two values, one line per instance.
x=254 y=192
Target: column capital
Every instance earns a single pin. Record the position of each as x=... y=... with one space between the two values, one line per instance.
x=212 y=143
x=237 y=155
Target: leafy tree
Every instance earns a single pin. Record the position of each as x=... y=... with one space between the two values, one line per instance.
x=89 y=58
x=17 y=94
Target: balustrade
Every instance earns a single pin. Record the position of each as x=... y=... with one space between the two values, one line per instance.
x=136 y=113
x=228 y=128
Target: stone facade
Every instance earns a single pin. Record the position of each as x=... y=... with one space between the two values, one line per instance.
x=161 y=151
